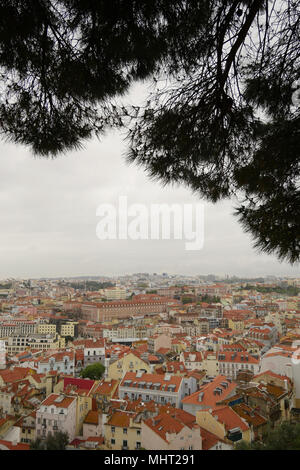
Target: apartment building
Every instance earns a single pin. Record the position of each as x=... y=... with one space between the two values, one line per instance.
x=69 y=329
x=81 y=389
x=107 y=311
x=173 y=430
x=159 y=341
x=192 y=360
x=63 y=362
x=94 y=351
x=13 y=328
x=225 y=423
x=123 y=431
x=128 y=362
x=46 y=329
x=161 y=388
x=211 y=311
x=267 y=334
x=18 y=343
x=113 y=293
x=211 y=392
x=232 y=362
x=56 y=413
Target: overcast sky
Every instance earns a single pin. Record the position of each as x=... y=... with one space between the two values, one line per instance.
x=48 y=220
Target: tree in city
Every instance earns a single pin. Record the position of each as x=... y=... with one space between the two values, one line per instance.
x=93 y=371
x=283 y=437
x=222 y=117
x=55 y=441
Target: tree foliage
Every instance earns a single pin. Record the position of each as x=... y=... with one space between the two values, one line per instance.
x=284 y=437
x=223 y=116
x=210 y=299
x=93 y=371
x=291 y=291
x=56 y=441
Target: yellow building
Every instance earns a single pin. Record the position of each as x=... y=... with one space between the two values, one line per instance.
x=6 y=424
x=221 y=421
x=84 y=405
x=19 y=343
x=68 y=329
x=103 y=391
x=26 y=425
x=123 y=431
x=130 y=362
x=82 y=390
x=236 y=324
x=210 y=363
x=46 y=329
x=178 y=346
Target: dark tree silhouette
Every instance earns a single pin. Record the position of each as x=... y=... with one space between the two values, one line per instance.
x=56 y=441
x=223 y=117
x=284 y=437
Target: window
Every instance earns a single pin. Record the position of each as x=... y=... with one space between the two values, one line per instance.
x=113 y=429
x=112 y=441
x=124 y=430
x=138 y=432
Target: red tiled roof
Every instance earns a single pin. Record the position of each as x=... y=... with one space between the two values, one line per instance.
x=11 y=446
x=83 y=384
x=65 y=403
x=229 y=418
x=105 y=387
x=119 y=419
x=170 y=423
x=154 y=378
x=237 y=357
x=209 y=439
x=206 y=396
x=92 y=417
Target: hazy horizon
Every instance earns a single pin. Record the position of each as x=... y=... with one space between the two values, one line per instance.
x=48 y=219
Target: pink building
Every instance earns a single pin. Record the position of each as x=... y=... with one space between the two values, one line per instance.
x=159 y=341
x=56 y=413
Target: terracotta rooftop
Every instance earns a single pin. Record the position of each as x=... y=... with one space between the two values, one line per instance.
x=64 y=403
x=158 y=381
x=210 y=394
x=92 y=418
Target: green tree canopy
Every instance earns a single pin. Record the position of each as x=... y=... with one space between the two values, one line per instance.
x=56 y=441
x=284 y=437
x=93 y=371
x=223 y=117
